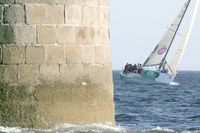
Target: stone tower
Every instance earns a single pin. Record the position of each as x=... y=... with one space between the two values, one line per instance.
x=55 y=63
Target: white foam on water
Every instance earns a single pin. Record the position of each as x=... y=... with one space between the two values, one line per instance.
x=174 y=83
x=68 y=128
x=14 y=130
x=158 y=128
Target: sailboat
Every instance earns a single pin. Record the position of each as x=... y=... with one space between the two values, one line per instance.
x=154 y=67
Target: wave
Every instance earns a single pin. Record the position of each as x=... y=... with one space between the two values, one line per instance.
x=93 y=128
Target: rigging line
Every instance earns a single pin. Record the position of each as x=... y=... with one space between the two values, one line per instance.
x=161 y=25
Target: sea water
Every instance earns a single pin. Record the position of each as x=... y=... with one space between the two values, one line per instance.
x=145 y=108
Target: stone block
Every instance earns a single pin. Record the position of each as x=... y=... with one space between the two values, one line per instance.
x=66 y=35
x=104 y=3
x=6 y=1
x=102 y=73
x=103 y=55
x=107 y=55
x=88 y=15
x=71 y=73
x=55 y=14
x=28 y=74
x=55 y=55
x=49 y=73
x=95 y=36
x=73 y=14
x=46 y=34
x=105 y=16
x=74 y=54
x=89 y=54
x=105 y=36
x=26 y=1
x=93 y=2
x=8 y=74
x=13 y=54
x=98 y=15
x=87 y=2
x=35 y=14
x=14 y=14
x=100 y=54
x=66 y=2
x=46 y=1
x=35 y=55
x=82 y=35
x=25 y=34
x=1 y=14
x=6 y=34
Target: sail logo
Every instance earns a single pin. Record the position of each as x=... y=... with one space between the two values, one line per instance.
x=162 y=51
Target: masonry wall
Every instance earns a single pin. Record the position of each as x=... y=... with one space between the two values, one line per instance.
x=55 y=63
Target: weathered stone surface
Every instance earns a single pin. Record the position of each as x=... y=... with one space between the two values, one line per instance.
x=74 y=54
x=26 y=1
x=99 y=54
x=49 y=73
x=98 y=15
x=46 y=34
x=35 y=14
x=94 y=33
x=102 y=55
x=1 y=14
x=73 y=14
x=67 y=81
x=14 y=14
x=105 y=36
x=87 y=2
x=88 y=15
x=25 y=34
x=66 y=2
x=88 y=54
x=104 y=3
x=55 y=14
x=103 y=74
x=35 y=55
x=6 y=1
x=28 y=74
x=13 y=54
x=0 y=55
x=105 y=16
x=71 y=73
x=46 y=1
x=8 y=74
x=107 y=55
x=82 y=35
x=6 y=34
x=55 y=55
x=66 y=35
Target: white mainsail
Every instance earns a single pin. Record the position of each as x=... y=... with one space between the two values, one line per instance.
x=158 y=55
x=179 y=53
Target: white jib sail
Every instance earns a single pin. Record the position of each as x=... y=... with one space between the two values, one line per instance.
x=179 y=53
x=160 y=50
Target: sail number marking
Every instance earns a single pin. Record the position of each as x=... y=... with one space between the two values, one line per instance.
x=162 y=51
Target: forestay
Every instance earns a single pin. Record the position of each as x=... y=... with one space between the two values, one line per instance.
x=158 y=55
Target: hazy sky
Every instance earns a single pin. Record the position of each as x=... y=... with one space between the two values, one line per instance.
x=136 y=26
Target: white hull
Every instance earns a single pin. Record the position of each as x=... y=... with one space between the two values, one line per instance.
x=148 y=77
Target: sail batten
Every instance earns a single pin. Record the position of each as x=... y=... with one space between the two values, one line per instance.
x=160 y=52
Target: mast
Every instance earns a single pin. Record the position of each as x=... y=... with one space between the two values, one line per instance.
x=174 y=35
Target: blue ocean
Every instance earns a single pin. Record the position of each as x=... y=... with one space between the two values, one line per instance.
x=145 y=108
